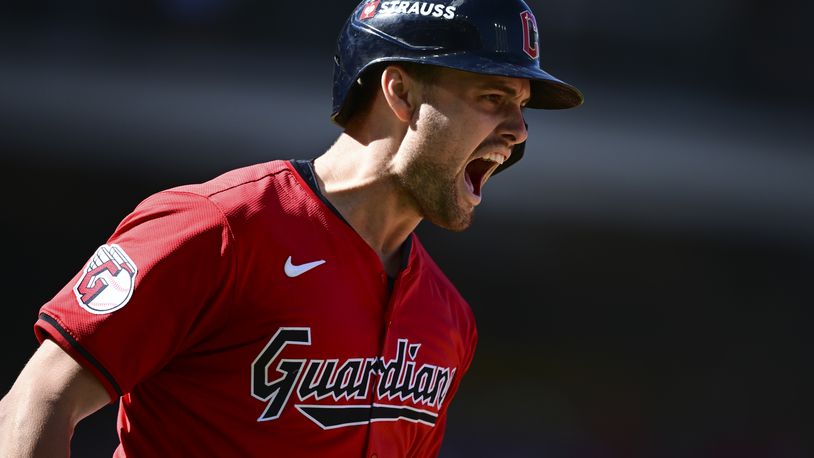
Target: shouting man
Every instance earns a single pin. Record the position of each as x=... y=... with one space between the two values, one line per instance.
x=287 y=308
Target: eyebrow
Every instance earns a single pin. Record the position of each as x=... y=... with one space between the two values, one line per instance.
x=504 y=88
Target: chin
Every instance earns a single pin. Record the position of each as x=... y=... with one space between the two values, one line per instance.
x=458 y=222
x=440 y=200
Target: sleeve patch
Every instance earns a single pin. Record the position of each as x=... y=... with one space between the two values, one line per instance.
x=107 y=281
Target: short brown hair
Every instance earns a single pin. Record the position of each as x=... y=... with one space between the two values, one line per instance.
x=362 y=93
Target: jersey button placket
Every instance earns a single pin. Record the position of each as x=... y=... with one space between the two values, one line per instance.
x=386 y=340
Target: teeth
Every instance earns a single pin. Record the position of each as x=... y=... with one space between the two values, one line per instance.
x=494 y=157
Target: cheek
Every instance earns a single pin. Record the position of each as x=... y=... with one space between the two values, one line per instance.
x=455 y=133
x=435 y=131
x=476 y=121
x=474 y=131
x=430 y=121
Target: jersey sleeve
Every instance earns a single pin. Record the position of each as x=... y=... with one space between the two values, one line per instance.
x=147 y=294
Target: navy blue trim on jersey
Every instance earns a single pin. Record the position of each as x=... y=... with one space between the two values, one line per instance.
x=306 y=171
x=406 y=248
x=329 y=417
x=81 y=350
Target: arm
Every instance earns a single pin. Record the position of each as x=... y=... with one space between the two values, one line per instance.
x=51 y=395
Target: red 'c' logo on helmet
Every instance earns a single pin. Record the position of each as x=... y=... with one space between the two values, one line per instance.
x=530 y=35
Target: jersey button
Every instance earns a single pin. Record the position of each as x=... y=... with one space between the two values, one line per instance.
x=374 y=456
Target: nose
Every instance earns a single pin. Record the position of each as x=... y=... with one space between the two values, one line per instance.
x=514 y=128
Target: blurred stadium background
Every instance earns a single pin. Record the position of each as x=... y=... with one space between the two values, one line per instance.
x=642 y=280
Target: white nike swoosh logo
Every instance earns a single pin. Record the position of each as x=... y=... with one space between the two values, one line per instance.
x=295 y=271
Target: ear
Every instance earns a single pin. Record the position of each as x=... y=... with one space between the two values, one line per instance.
x=399 y=92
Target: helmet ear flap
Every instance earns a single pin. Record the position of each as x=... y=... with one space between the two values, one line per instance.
x=359 y=94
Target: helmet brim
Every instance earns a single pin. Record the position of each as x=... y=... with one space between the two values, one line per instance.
x=547 y=91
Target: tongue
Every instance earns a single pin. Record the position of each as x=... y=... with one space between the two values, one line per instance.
x=469 y=184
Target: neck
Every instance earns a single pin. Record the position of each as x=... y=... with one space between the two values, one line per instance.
x=356 y=178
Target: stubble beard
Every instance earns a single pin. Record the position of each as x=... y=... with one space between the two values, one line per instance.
x=433 y=185
x=436 y=194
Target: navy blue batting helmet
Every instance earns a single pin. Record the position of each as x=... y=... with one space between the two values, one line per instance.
x=493 y=37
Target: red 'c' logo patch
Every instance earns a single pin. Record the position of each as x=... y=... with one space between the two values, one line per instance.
x=369 y=10
x=107 y=281
x=530 y=35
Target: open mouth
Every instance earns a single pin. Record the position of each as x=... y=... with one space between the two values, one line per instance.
x=479 y=170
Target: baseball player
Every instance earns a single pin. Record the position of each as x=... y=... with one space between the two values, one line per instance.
x=287 y=308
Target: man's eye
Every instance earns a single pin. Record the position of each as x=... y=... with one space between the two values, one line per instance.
x=494 y=98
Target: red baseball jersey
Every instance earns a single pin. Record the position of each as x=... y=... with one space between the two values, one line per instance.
x=245 y=317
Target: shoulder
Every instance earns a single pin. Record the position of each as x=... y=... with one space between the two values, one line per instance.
x=239 y=185
x=230 y=198
x=241 y=193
